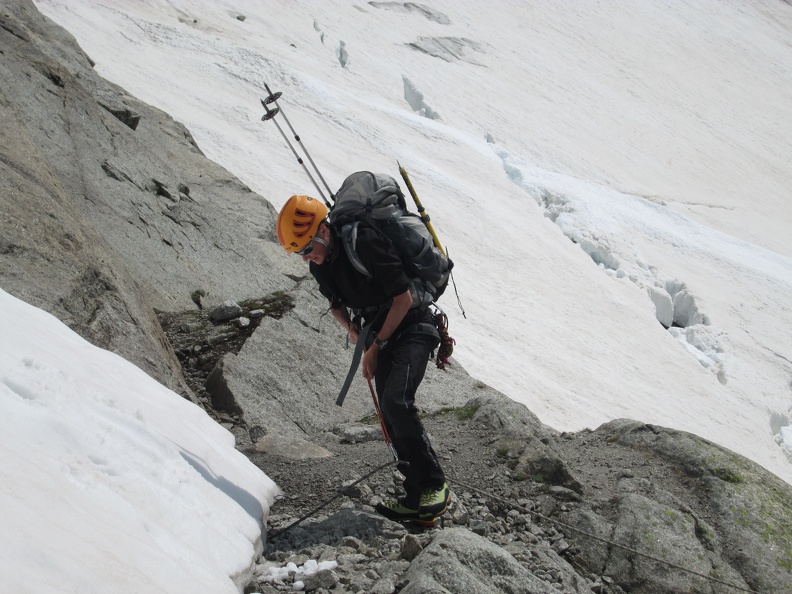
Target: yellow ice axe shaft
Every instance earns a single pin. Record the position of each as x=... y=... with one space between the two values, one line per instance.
x=421 y=210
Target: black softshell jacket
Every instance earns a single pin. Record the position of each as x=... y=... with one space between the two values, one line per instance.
x=345 y=286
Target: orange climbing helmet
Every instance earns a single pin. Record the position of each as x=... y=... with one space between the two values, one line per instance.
x=298 y=222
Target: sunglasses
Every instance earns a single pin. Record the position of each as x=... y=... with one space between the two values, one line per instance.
x=306 y=251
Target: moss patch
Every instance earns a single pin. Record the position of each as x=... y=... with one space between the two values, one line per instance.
x=728 y=475
x=200 y=343
x=464 y=413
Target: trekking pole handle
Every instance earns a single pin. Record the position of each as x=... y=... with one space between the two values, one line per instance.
x=421 y=210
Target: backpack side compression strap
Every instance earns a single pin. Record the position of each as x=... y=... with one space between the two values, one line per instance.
x=348 y=236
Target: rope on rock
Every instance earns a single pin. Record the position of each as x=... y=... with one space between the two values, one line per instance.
x=594 y=536
x=518 y=507
x=446 y=347
x=333 y=498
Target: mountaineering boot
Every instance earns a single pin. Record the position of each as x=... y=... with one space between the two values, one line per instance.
x=434 y=502
x=398 y=511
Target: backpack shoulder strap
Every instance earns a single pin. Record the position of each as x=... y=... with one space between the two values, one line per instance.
x=348 y=236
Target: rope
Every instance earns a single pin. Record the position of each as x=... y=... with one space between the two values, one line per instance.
x=524 y=510
x=329 y=501
x=446 y=347
x=595 y=537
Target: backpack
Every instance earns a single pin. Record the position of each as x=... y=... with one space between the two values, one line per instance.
x=376 y=200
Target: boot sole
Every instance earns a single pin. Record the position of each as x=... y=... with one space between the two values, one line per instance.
x=433 y=521
x=429 y=522
x=440 y=512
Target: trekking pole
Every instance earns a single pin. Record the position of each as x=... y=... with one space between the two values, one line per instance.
x=385 y=435
x=270 y=115
x=421 y=210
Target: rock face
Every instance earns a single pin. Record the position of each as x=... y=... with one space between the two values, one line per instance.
x=706 y=508
x=458 y=560
x=109 y=209
x=653 y=511
x=113 y=220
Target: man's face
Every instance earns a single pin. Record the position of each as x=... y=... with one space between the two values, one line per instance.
x=316 y=251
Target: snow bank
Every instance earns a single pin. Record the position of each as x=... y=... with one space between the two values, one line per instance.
x=108 y=480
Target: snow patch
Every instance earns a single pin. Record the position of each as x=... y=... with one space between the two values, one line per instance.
x=784 y=440
x=686 y=311
x=675 y=306
x=272 y=572
x=342 y=54
x=782 y=430
x=595 y=247
x=415 y=98
x=133 y=485
x=702 y=343
x=425 y=11
x=318 y=29
x=450 y=49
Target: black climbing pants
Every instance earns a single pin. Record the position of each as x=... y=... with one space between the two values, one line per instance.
x=400 y=369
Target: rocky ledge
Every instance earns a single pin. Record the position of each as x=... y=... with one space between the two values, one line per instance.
x=628 y=507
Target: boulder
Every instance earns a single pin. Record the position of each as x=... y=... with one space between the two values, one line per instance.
x=458 y=560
